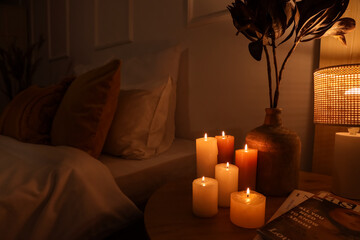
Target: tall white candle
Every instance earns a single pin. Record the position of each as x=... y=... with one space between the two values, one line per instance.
x=205 y=197
x=247 y=209
x=227 y=176
x=346 y=165
x=206 y=156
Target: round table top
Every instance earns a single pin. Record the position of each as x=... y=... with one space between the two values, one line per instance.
x=168 y=213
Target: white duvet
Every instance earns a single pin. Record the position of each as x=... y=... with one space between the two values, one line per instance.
x=61 y=192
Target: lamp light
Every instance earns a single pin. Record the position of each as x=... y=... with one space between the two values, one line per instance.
x=337 y=102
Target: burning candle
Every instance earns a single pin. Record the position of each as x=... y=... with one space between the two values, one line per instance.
x=246 y=160
x=205 y=197
x=225 y=145
x=206 y=156
x=227 y=176
x=247 y=209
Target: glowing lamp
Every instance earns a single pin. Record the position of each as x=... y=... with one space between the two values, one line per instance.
x=337 y=102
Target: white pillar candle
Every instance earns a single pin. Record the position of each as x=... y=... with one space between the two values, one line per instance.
x=247 y=209
x=346 y=177
x=206 y=156
x=227 y=176
x=205 y=197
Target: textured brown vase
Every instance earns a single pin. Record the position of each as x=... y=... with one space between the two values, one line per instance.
x=278 y=155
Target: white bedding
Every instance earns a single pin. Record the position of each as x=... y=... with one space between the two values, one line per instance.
x=60 y=192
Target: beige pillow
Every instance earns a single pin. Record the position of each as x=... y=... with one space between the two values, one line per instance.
x=149 y=72
x=139 y=126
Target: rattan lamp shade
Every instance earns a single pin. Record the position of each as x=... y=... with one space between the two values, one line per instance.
x=337 y=95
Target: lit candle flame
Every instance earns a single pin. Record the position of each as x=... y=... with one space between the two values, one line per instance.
x=205 y=136
x=203 y=181
x=246 y=148
x=223 y=134
x=227 y=166
x=248 y=192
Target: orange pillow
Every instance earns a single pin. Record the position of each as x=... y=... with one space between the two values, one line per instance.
x=28 y=117
x=87 y=109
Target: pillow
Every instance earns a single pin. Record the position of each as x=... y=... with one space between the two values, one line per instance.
x=28 y=117
x=87 y=109
x=149 y=72
x=139 y=127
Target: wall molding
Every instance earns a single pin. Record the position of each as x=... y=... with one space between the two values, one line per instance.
x=211 y=17
x=31 y=18
x=66 y=52
x=120 y=41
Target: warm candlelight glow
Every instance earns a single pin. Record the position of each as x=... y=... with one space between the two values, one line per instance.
x=206 y=156
x=246 y=160
x=247 y=211
x=353 y=91
x=205 y=197
x=225 y=145
x=227 y=176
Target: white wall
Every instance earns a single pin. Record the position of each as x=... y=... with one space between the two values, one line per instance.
x=222 y=88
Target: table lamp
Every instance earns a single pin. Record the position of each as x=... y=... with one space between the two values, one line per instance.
x=337 y=102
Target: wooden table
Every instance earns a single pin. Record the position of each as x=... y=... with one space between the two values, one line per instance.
x=168 y=213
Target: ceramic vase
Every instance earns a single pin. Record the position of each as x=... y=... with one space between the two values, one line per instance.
x=278 y=155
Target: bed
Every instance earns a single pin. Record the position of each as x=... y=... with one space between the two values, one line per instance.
x=61 y=192
x=49 y=192
x=139 y=179
x=79 y=159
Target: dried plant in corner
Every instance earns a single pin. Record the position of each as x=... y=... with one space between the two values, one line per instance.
x=265 y=22
x=17 y=67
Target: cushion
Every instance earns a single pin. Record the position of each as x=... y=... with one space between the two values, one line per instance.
x=139 y=127
x=149 y=72
x=28 y=117
x=87 y=109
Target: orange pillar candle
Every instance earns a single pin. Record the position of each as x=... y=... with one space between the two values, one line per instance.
x=205 y=197
x=227 y=176
x=206 y=156
x=247 y=209
x=246 y=160
x=225 y=145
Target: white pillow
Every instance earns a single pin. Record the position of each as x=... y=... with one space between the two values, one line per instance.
x=144 y=76
x=139 y=128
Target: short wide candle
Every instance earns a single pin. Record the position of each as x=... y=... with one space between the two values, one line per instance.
x=246 y=160
x=247 y=210
x=227 y=176
x=205 y=197
x=206 y=156
x=225 y=145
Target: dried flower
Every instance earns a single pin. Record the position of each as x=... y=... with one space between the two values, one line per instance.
x=264 y=22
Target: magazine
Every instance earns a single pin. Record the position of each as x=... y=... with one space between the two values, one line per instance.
x=323 y=216
x=295 y=198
